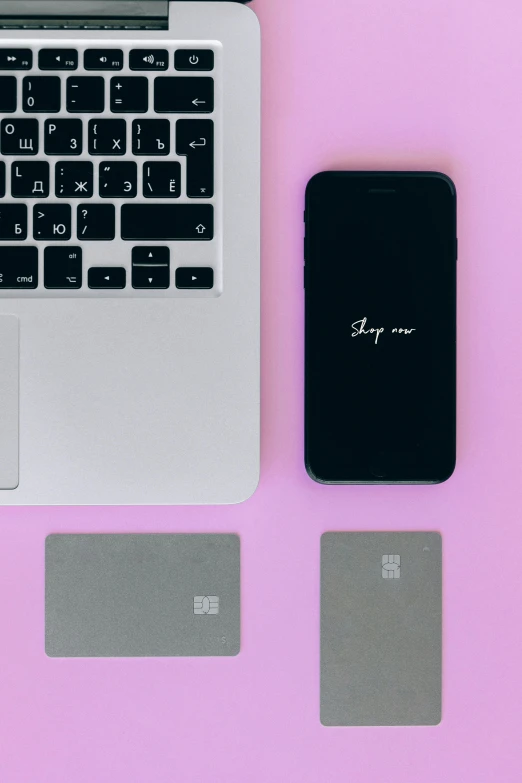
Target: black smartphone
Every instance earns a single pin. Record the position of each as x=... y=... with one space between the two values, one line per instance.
x=380 y=290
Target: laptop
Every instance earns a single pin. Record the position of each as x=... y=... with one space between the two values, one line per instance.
x=129 y=252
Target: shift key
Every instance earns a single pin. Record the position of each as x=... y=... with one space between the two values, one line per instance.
x=167 y=222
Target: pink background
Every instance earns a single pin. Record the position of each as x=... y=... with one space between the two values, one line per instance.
x=347 y=83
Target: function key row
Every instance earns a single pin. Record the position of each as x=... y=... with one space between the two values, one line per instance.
x=97 y=222
x=127 y=94
x=107 y=60
x=63 y=270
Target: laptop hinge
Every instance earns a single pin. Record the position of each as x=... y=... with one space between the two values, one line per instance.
x=84 y=14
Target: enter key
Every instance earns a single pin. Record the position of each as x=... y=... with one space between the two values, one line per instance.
x=195 y=140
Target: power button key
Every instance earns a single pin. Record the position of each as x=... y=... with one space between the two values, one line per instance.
x=194 y=60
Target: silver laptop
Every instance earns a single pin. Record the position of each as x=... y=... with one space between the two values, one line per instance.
x=129 y=251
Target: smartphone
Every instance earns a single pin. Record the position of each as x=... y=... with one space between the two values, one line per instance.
x=380 y=334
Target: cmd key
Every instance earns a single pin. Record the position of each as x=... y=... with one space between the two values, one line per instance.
x=18 y=267
x=167 y=221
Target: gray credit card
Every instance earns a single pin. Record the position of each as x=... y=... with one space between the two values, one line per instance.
x=381 y=629
x=142 y=595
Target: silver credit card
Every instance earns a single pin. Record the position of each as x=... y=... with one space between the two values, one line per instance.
x=142 y=595
x=381 y=629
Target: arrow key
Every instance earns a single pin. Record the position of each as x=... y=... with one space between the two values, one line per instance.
x=150 y=267
x=157 y=277
x=105 y=277
x=194 y=278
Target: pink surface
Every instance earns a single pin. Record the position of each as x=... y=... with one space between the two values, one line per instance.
x=347 y=83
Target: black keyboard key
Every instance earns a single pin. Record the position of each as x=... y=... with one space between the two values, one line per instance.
x=118 y=179
x=63 y=267
x=195 y=139
x=103 y=60
x=149 y=60
x=74 y=179
x=194 y=60
x=107 y=277
x=162 y=180
x=41 y=94
x=194 y=277
x=16 y=59
x=96 y=222
x=107 y=137
x=2 y=179
x=150 y=267
x=8 y=94
x=58 y=60
x=151 y=137
x=184 y=94
x=18 y=267
x=13 y=221
x=63 y=137
x=19 y=137
x=52 y=221
x=130 y=94
x=167 y=221
x=85 y=94
x=30 y=179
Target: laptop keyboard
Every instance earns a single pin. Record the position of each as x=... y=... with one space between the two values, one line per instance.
x=109 y=171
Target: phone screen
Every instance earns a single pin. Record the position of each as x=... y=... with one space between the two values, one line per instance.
x=380 y=280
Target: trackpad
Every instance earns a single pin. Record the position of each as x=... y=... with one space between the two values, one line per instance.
x=9 y=408
x=381 y=629
x=142 y=595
